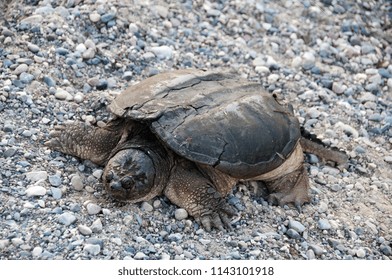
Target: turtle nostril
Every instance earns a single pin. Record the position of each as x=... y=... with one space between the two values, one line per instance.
x=115 y=185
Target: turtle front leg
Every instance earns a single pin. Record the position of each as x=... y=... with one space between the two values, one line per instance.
x=290 y=188
x=190 y=190
x=84 y=141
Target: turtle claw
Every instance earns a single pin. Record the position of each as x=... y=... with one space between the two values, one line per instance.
x=219 y=220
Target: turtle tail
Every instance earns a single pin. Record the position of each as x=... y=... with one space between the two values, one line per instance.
x=313 y=145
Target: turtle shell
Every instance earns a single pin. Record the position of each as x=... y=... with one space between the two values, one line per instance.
x=214 y=118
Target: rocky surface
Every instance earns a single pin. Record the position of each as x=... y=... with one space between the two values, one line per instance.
x=65 y=60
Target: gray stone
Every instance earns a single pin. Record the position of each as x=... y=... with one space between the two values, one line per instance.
x=4 y=243
x=108 y=17
x=317 y=249
x=67 y=218
x=323 y=207
x=92 y=249
x=338 y=88
x=323 y=224
x=85 y=230
x=26 y=78
x=55 y=180
x=162 y=52
x=93 y=208
x=297 y=226
x=385 y=249
x=89 y=53
x=140 y=256
x=97 y=226
x=147 y=207
x=21 y=68
x=180 y=214
x=33 y=48
x=293 y=234
x=388 y=159
x=77 y=183
x=35 y=191
x=35 y=176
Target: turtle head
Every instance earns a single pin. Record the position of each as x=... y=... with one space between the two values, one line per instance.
x=129 y=176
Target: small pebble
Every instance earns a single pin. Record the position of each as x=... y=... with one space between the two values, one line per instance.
x=97 y=226
x=56 y=193
x=147 y=207
x=35 y=191
x=92 y=249
x=55 y=180
x=77 y=183
x=297 y=226
x=323 y=224
x=85 y=230
x=361 y=253
x=35 y=176
x=162 y=52
x=67 y=218
x=180 y=214
x=93 y=208
x=33 y=48
x=140 y=256
x=21 y=68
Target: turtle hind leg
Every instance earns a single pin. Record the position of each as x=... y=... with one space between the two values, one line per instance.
x=290 y=188
x=189 y=189
x=84 y=141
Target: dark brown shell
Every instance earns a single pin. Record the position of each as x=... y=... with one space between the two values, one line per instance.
x=214 y=118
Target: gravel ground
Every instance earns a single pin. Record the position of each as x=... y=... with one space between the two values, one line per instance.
x=65 y=60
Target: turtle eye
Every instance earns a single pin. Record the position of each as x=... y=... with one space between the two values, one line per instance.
x=127 y=182
x=110 y=175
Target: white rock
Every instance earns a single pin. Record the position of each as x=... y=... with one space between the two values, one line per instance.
x=139 y=256
x=308 y=59
x=95 y=17
x=67 y=218
x=361 y=253
x=81 y=48
x=389 y=83
x=37 y=251
x=273 y=78
x=62 y=94
x=262 y=70
x=35 y=191
x=349 y=130
x=85 y=230
x=162 y=52
x=92 y=249
x=89 y=53
x=93 y=208
x=35 y=176
x=297 y=61
x=180 y=214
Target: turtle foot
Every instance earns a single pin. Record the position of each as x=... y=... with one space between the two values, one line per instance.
x=290 y=189
x=192 y=191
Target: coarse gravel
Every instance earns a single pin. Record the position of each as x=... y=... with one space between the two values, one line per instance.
x=64 y=60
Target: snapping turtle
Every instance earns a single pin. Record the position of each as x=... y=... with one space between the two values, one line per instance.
x=192 y=135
